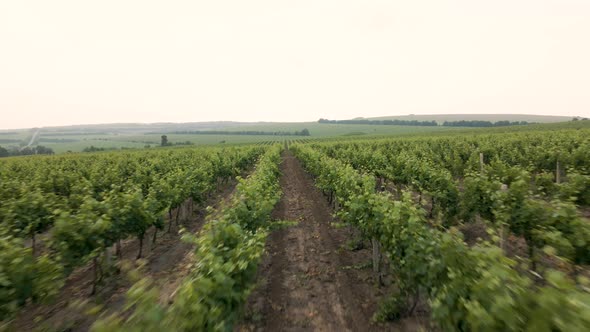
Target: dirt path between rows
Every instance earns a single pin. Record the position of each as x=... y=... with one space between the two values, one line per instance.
x=167 y=263
x=308 y=280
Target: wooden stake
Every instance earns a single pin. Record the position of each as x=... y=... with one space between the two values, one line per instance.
x=95 y=275
x=108 y=257
x=377 y=259
x=558 y=173
x=503 y=188
x=376 y=255
x=481 y=162
x=155 y=235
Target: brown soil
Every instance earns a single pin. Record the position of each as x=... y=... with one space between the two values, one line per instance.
x=166 y=262
x=309 y=280
x=474 y=232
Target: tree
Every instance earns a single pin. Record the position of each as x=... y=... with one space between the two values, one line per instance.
x=40 y=149
x=305 y=132
x=3 y=152
x=164 y=140
x=27 y=151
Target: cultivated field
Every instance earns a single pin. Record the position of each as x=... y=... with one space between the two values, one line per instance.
x=452 y=230
x=137 y=136
x=77 y=140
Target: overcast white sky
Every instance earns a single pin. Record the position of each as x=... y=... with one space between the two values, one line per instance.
x=71 y=62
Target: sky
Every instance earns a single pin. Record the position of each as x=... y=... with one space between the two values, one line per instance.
x=80 y=62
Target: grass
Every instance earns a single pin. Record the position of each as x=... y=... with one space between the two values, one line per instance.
x=78 y=146
x=154 y=139
x=320 y=130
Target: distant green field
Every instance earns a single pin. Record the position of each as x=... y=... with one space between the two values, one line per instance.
x=76 y=139
x=141 y=141
x=155 y=139
x=541 y=127
x=80 y=145
x=15 y=138
x=329 y=130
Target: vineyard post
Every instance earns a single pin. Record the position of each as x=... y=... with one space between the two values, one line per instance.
x=108 y=256
x=478 y=216
x=140 y=245
x=155 y=235
x=558 y=173
x=118 y=249
x=94 y=274
x=34 y=244
x=180 y=213
x=376 y=257
x=503 y=188
x=481 y=162
x=187 y=209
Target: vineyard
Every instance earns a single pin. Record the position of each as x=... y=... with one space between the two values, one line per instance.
x=482 y=230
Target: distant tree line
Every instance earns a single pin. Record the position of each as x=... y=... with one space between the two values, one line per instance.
x=181 y=143
x=93 y=148
x=165 y=142
x=26 y=151
x=382 y=122
x=479 y=123
x=58 y=140
x=304 y=132
x=463 y=123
